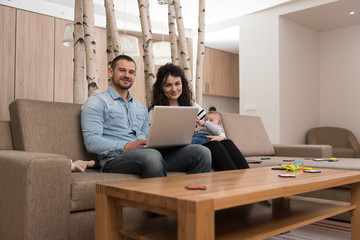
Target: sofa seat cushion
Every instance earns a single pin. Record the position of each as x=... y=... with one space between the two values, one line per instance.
x=83 y=186
x=343 y=163
x=343 y=152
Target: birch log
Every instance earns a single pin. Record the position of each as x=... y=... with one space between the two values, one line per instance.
x=109 y=51
x=149 y=67
x=79 y=54
x=200 y=52
x=111 y=26
x=184 y=55
x=172 y=33
x=90 y=46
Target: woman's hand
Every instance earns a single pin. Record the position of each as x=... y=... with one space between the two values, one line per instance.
x=216 y=138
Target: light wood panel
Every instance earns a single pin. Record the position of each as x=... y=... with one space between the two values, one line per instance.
x=63 y=79
x=7 y=59
x=221 y=73
x=34 y=56
x=101 y=58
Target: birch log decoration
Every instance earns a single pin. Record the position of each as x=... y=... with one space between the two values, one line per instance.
x=90 y=46
x=200 y=52
x=172 y=33
x=111 y=26
x=184 y=55
x=149 y=67
x=109 y=51
x=79 y=54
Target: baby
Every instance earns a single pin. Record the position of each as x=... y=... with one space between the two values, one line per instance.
x=211 y=126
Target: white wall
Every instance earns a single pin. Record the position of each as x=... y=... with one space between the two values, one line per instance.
x=259 y=69
x=260 y=79
x=340 y=78
x=299 y=84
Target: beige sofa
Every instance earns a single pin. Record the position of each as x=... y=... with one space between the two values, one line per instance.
x=42 y=199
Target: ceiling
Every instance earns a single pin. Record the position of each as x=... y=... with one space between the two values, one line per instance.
x=328 y=16
x=221 y=17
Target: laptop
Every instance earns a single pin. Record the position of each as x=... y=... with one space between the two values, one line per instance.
x=171 y=126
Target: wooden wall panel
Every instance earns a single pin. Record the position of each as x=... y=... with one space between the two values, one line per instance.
x=7 y=59
x=221 y=73
x=34 y=56
x=101 y=58
x=63 y=67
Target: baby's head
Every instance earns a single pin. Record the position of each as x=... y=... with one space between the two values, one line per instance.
x=213 y=117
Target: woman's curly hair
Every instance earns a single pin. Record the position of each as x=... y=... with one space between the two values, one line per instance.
x=158 y=96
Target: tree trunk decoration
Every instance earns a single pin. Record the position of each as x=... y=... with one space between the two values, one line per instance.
x=200 y=52
x=184 y=55
x=172 y=33
x=111 y=25
x=149 y=67
x=109 y=50
x=90 y=45
x=79 y=56
x=112 y=35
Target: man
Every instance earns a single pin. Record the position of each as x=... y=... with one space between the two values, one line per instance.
x=115 y=126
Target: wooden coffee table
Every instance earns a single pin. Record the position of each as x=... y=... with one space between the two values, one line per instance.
x=233 y=206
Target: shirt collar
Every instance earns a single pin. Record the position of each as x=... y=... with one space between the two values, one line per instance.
x=115 y=95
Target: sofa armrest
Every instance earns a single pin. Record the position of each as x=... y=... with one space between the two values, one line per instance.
x=35 y=195
x=318 y=151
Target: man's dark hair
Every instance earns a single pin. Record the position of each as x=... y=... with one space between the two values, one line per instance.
x=120 y=57
x=158 y=96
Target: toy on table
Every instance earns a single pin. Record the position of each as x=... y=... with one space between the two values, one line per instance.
x=332 y=159
x=294 y=167
x=195 y=187
x=289 y=160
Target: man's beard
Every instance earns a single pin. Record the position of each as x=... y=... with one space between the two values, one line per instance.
x=119 y=85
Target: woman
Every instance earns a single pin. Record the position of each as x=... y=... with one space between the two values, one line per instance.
x=172 y=89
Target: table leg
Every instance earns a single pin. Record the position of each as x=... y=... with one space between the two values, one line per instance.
x=196 y=220
x=355 y=217
x=108 y=216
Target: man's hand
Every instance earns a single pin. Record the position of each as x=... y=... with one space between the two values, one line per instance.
x=216 y=138
x=140 y=143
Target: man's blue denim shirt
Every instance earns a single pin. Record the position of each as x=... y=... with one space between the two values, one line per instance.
x=108 y=122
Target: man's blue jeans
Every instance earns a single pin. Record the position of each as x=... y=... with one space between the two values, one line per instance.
x=149 y=162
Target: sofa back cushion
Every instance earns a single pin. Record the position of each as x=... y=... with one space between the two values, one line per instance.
x=333 y=136
x=248 y=133
x=5 y=136
x=51 y=127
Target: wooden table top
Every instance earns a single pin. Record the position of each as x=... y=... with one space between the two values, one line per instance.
x=227 y=188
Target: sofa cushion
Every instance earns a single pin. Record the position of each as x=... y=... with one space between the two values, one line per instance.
x=248 y=133
x=48 y=127
x=5 y=136
x=83 y=186
x=343 y=152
